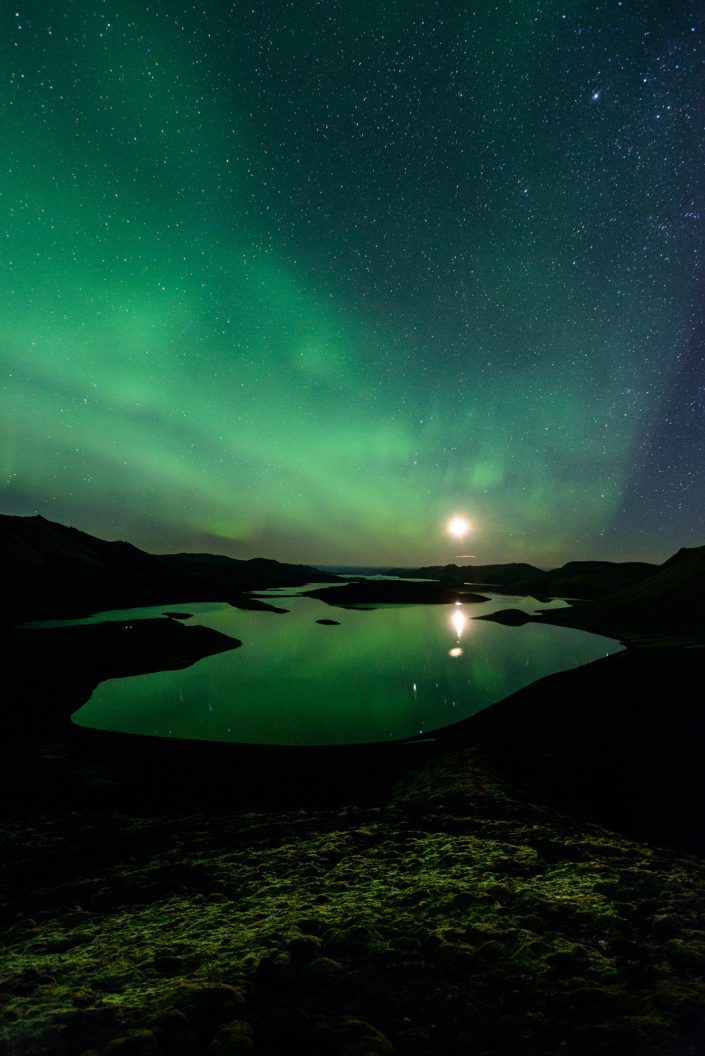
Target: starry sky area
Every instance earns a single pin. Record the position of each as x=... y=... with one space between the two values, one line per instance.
x=306 y=279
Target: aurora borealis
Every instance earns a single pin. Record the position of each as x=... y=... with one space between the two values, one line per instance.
x=307 y=279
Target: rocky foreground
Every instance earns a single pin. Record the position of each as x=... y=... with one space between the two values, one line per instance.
x=181 y=899
x=454 y=917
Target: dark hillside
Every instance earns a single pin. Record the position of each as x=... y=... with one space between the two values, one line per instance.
x=489 y=575
x=261 y=572
x=576 y=579
x=665 y=609
x=50 y=570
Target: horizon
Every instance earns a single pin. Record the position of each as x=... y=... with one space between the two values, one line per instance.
x=281 y=282
x=344 y=566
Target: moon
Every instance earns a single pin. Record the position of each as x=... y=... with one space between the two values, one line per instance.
x=458 y=527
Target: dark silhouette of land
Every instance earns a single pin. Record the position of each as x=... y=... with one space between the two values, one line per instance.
x=576 y=579
x=48 y=674
x=391 y=591
x=474 y=889
x=50 y=571
x=665 y=609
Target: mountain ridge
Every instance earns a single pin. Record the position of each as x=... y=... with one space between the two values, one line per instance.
x=51 y=570
x=577 y=579
x=665 y=609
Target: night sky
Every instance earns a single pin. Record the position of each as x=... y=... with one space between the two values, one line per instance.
x=305 y=280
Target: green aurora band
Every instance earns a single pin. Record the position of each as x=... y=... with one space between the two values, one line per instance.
x=183 y=366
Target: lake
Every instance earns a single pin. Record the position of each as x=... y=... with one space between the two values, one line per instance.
x=395 y=672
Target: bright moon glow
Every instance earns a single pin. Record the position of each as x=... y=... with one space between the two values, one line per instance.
x=458 y=621
x=458 y=527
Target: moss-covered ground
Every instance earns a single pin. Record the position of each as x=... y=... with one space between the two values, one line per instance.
x=453 y=917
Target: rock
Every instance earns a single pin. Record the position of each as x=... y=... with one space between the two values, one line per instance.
x=179 y=615
x=351 y=1037
x=82 y=998
x=232 y=1039
x=453 y=957
x=208 y=999
x=168 y=965
x=329 y=623
x=23 y=984
x=357 y=940
x=568 y=963
x=169 y=1021
x=305 y=946
x=271 y=970
x=75 y=917
x=323 y=969
x=134 y=1043
x=490 y=950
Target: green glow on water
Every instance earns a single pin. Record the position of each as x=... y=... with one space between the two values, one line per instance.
x=380 y=675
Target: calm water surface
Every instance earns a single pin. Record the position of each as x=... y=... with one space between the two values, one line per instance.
x=391 y=673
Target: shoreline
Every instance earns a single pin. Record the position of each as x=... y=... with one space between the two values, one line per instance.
x=424 y=896
x=616 y=741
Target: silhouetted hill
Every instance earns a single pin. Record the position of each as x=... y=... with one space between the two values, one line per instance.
x=490 y=575
x=262 y=572
x=50 y=570
x=576 y=579
x=664 y=609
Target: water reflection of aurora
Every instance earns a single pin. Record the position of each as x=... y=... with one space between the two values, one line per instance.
x=382 y=674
